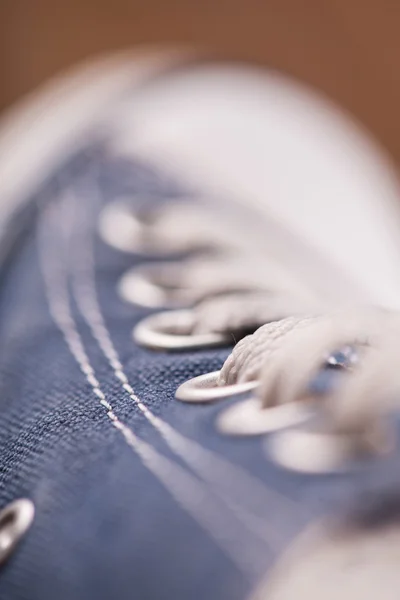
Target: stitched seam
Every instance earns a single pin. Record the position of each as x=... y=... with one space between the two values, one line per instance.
x=226 y=478
x=190 y=494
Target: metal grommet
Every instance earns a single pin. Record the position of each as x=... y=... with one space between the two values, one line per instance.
x=249 y=417
x=204 y=388
x=15 y=520
x=168 y=331
x=120 y=228
x=309 y=451
x=140 y=232
x=150 y=286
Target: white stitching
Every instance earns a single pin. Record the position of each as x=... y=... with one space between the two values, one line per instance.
x=190 y=493
x=212 y=468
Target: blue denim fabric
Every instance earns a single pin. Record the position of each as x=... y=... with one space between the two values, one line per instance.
x=105 y=527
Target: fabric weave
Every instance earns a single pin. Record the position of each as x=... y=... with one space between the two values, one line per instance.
x=105 y=526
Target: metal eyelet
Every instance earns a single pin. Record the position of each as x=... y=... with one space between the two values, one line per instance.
x=315 y=447
x=120 y=228
x=249 y=417
x=169 y=331
x=15 y=520
x=148 y=286
x=204 y=389
x=312 y=452
x=138 y=232
x=128 y=231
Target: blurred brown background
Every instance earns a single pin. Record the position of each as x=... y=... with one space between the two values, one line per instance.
x=347 y=48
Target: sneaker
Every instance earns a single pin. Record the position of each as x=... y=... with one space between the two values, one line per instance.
x=198 y=319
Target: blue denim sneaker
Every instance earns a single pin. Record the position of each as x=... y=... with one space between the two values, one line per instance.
x=198 y=394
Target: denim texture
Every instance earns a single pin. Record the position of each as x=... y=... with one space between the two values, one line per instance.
x=105 y=526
